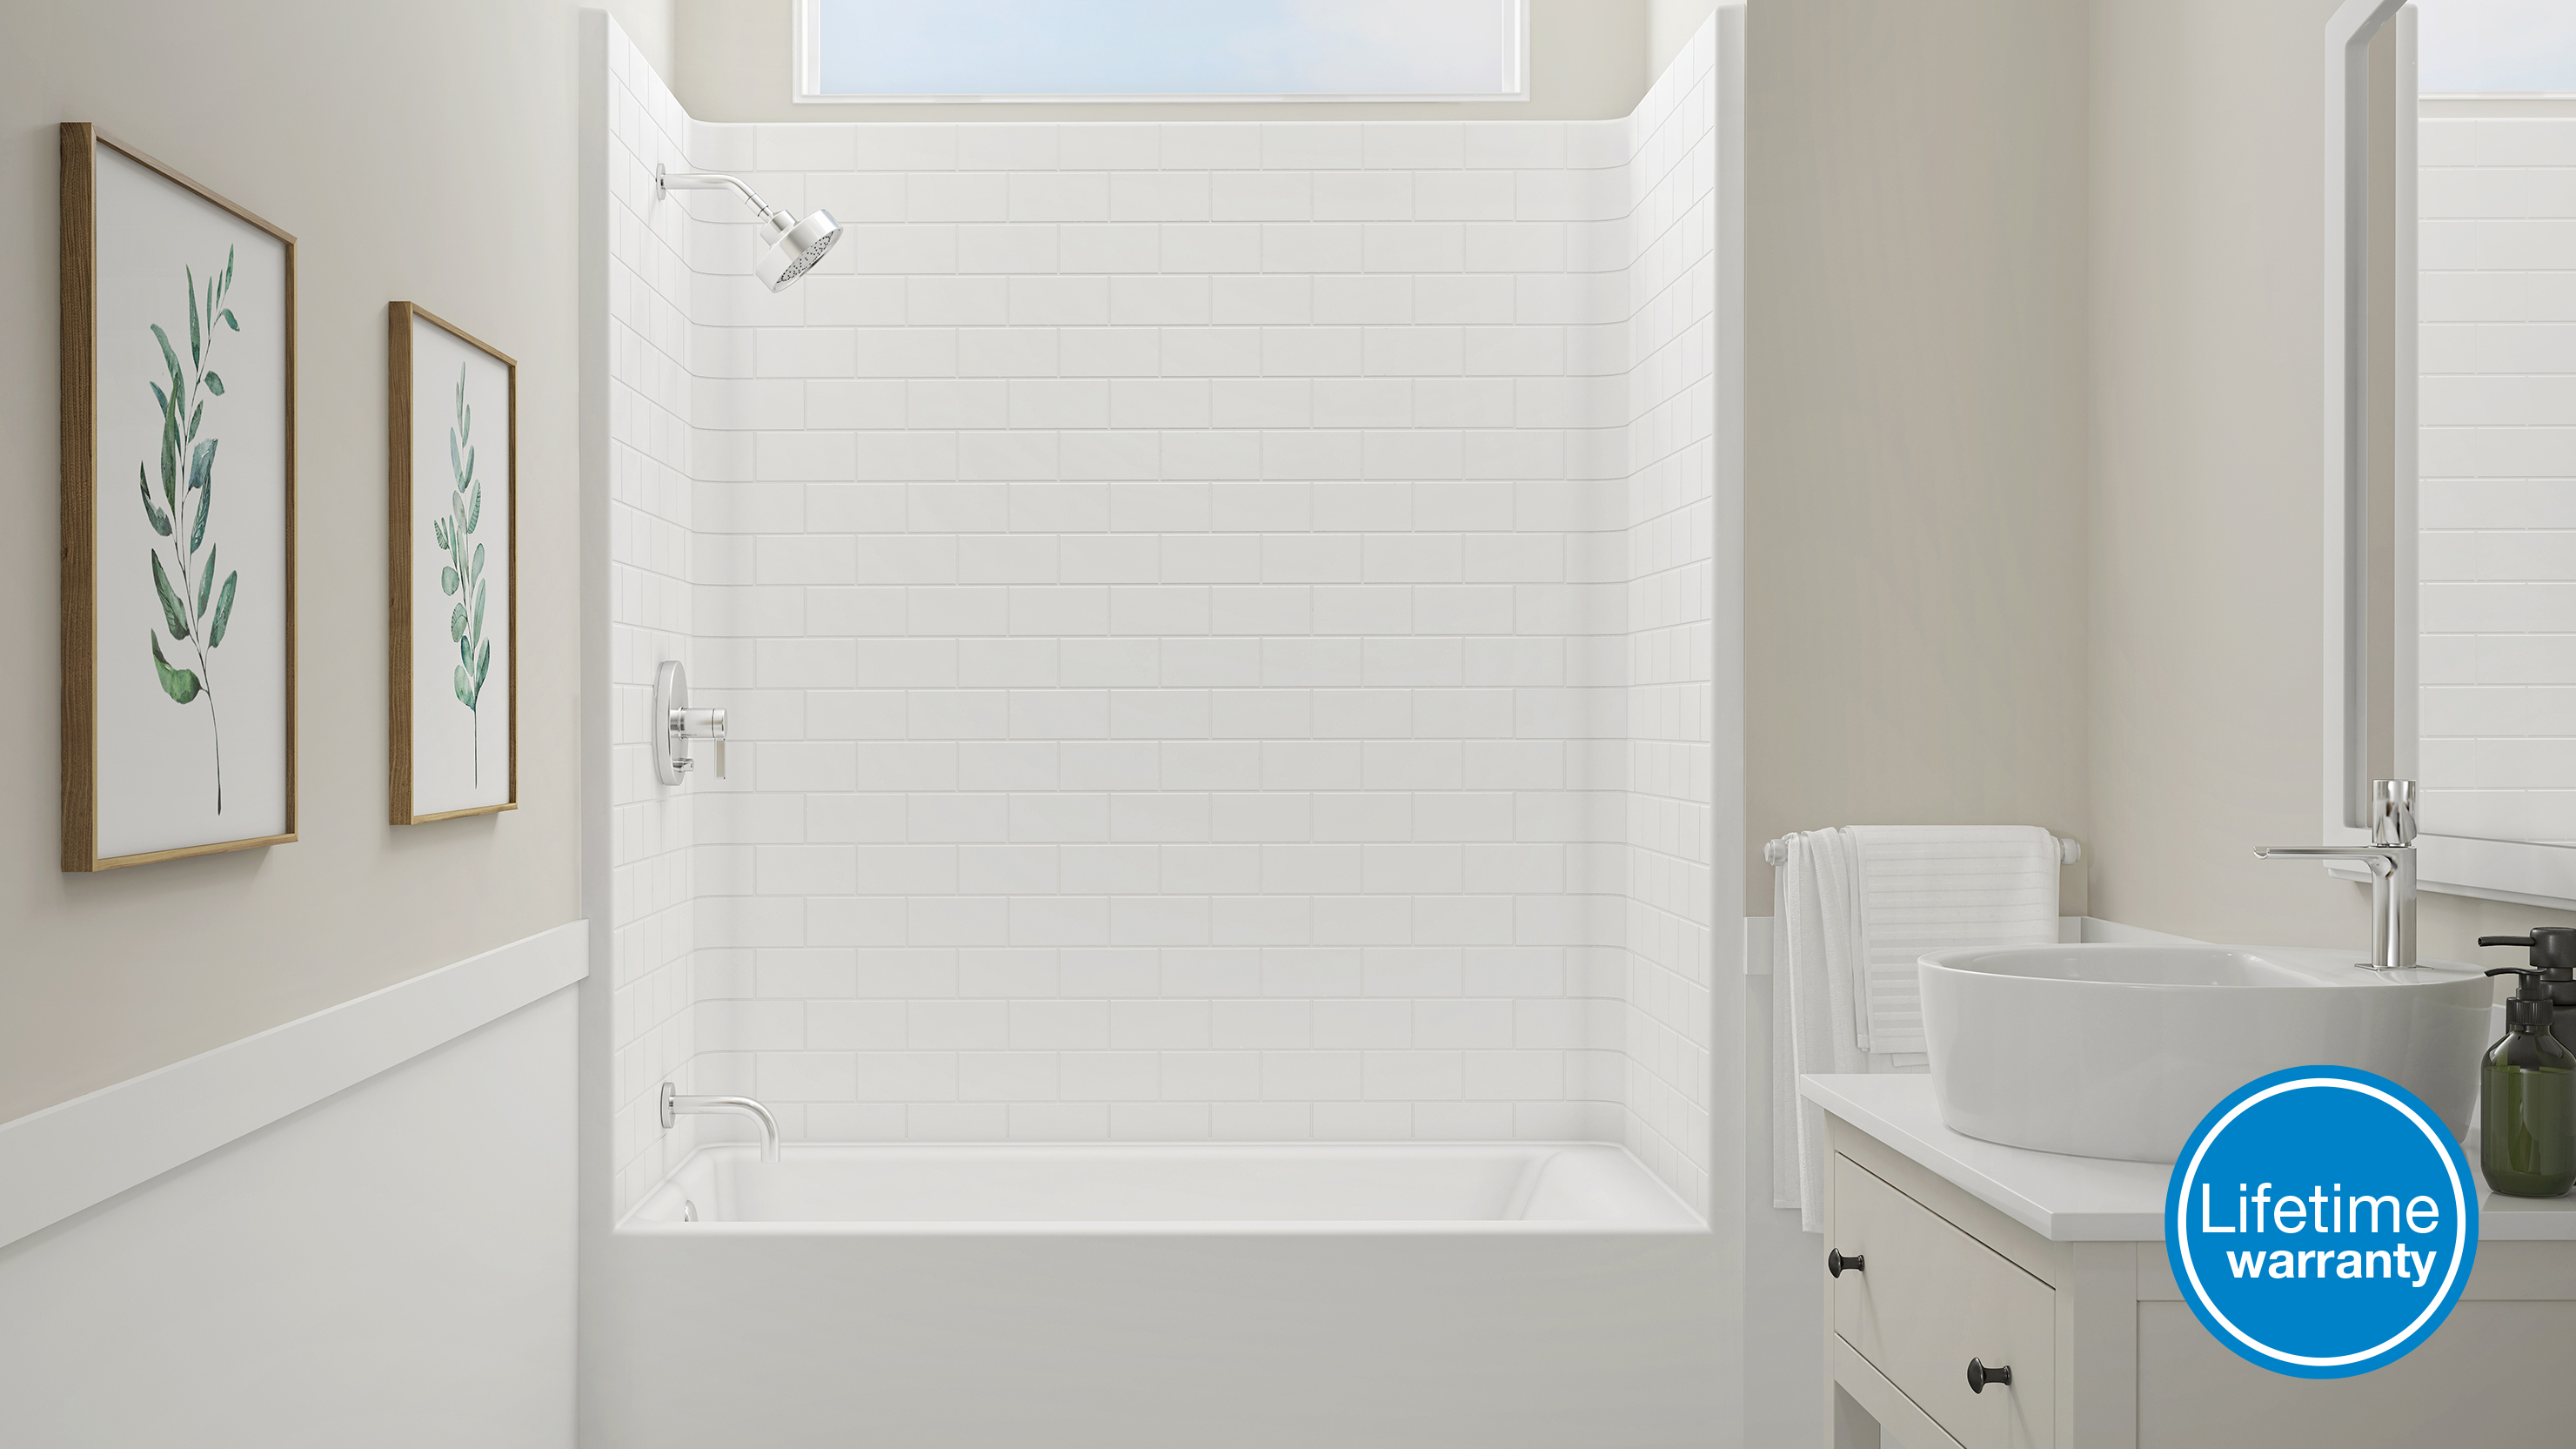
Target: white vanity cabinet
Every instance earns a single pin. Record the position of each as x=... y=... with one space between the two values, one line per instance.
x=2050 y=1266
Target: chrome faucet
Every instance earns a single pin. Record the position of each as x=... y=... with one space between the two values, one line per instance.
x=2390 y=859
x=673 y=1104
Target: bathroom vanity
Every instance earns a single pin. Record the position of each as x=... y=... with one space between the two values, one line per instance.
x=2052 y=1268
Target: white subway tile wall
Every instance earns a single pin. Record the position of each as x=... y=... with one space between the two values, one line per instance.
x=2497 y=298
x=1215 y=619
x=652 y=1023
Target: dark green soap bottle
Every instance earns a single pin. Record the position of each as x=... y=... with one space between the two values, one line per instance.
x=2527 y=1126
x=2553 y=955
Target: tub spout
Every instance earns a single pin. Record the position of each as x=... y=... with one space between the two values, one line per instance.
x=673 y=1104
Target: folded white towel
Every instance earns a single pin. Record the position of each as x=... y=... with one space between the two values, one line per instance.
x=1853 y=910
x=1924 y=888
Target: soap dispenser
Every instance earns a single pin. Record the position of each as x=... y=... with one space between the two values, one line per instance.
x=2527 y=1105
x=2553 y=955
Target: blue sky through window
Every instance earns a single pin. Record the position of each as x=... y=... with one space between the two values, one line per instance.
x=1169 y=47
x=2495 y=45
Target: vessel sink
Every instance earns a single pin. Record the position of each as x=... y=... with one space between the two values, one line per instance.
x=2120 y=1050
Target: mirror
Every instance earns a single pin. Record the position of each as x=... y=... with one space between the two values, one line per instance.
x=2451 y=471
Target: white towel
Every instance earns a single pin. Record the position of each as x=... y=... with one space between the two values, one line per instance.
x=1852 y=911
x=1924 y=888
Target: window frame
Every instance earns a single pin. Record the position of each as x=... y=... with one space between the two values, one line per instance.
x=807 y=81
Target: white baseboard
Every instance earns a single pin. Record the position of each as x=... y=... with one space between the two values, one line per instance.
x=55 y=1162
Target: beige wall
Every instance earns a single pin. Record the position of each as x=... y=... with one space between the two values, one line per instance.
x=653 y=25
x=1669 y=26
x=1915 y=440
x=1587 y=61
x=2208 y=616
x=420 y=152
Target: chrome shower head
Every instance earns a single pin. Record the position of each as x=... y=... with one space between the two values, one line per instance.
x=794 y=247
x=789 y=248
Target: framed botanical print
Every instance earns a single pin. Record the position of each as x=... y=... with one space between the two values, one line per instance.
x=453 y=462
x=178 y=599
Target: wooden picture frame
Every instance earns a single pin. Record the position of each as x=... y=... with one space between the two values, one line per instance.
x=158 y=761
x=437 y=538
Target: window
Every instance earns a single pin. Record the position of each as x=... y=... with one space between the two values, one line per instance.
x=1109 y=50
x=2496 y=45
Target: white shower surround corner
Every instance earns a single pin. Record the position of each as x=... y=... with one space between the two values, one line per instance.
x=1217 y=625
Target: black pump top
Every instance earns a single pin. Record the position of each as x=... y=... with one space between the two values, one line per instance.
x=2553 y=949
x=2530 y=1008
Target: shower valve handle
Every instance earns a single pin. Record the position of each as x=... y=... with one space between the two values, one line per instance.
x=678 y=723
x=698 y=724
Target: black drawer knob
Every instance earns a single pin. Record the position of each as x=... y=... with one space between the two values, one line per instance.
x=1835 y=1262
x=1979 y=1376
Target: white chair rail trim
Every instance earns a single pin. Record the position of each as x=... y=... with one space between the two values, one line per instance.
x=58 y=1161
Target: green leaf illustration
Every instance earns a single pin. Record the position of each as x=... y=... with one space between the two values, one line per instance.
x=455 y=464
x=170 y=355
x=184 y=511
x=448 y=582
x=160 y=520
x=171 y=611
x=477 y=570
x=482 y=665
x=223 y=609
x=170 y=460
x=464 y=691
x=456 y=624
x=179 y=684
x=474 y=510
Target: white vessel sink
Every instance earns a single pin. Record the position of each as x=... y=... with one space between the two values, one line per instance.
x=2119 y=1051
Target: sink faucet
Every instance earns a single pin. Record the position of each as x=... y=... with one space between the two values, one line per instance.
x=673 y=1105
x=2390 y=859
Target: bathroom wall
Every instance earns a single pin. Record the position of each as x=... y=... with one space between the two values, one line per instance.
x=442 y=170
x=1588 y=61
x=1916 y=436
x=1184 y=592
x=116 y=974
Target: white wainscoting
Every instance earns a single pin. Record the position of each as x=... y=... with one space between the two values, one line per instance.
x=56 y=1162
x=391 y=1267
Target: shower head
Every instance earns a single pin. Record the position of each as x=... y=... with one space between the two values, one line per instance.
x=788 y=248
x=794 y=247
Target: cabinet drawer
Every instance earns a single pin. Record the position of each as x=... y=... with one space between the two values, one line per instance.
x=1930 y=1298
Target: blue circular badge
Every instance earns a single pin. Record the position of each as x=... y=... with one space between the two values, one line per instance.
x=2321 y=1222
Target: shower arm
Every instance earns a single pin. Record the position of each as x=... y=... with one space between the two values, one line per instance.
x=666 y=182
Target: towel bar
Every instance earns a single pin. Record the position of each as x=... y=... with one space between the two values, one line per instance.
x=1776 y=852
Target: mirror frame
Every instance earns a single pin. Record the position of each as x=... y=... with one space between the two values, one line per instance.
x=2511 y=870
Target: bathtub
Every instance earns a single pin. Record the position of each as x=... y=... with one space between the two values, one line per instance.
x=1159 y=1296
x=1166 y=1188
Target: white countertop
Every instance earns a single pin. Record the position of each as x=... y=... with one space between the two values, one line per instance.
x=2084 y=1199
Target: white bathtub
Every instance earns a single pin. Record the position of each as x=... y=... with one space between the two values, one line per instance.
x=1252 y=1296
x=1165 y=1188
